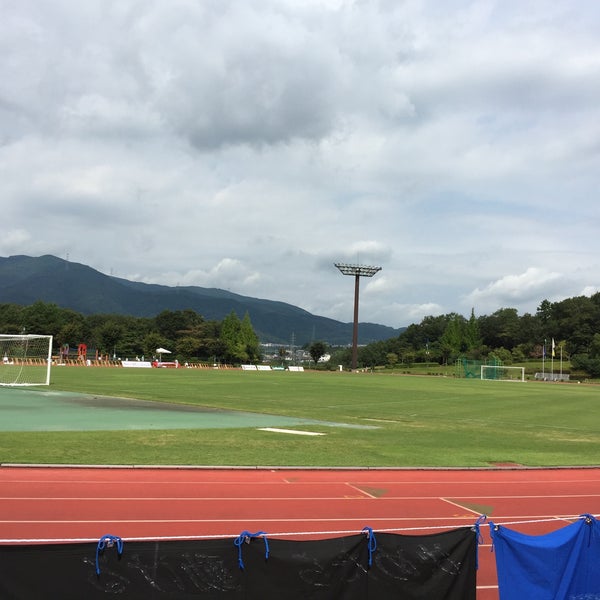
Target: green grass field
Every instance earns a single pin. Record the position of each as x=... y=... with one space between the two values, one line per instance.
x=413 y=421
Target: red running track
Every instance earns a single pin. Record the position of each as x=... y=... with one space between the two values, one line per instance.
x=40 y=504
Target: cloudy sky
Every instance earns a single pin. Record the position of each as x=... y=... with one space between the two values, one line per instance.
x=250 y=145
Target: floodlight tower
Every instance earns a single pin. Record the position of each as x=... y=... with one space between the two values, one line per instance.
x=358 y=271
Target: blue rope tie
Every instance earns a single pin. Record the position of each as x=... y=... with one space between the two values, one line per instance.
x=589 y=520
x=478 y=536
x=108 y=541
x=372 y=543
x=246 y=536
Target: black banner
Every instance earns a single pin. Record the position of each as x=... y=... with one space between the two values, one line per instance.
x=441 y=566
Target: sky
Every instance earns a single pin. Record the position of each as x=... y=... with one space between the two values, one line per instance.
x=251 y=145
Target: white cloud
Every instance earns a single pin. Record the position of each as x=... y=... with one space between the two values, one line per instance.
x=533 y=285
x=589 y=290
x=15 y=237
x=407 y=313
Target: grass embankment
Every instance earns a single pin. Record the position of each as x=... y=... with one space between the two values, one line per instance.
x=420 y=421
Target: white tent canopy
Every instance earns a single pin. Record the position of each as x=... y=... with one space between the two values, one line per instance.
x=161 y=351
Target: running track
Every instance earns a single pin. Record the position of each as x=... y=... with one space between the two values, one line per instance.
x=52 y=504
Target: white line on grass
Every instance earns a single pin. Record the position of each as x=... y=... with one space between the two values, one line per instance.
x=294 y=431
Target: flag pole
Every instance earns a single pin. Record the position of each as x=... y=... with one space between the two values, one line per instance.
x=561 y=347
x=544 y=360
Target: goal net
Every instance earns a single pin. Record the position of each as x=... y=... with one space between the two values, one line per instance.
x=25 y=359
x=502 y=373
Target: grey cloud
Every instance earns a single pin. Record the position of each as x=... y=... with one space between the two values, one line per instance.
x=250 y=145
x=271 y=81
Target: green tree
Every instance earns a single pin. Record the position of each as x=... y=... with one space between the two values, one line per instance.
x=70 y=333
x=502 y=355
x=575 y=320
x=586 y=363
x=171 y=324
x=134 y=330
x=373 y=354
x=472 y=335
x=454 y=339
x=544 y=312
x=501 y=329
x=231 y=337
x=187 y=347
x=429 y=331
x=109 y=335
x=11 y=318
x=152 y=341
x=341 y=356
x=316 y=350
x=518 y=354
x=249 y=339
x=391 y=359
x=408 y=357
x=43 y=318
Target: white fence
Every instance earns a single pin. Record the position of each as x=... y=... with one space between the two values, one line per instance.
x=268 y=368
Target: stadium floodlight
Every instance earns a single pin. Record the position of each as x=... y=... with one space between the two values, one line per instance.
x=357 y=271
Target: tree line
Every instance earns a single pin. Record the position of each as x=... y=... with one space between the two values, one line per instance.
x=184 y=332
x=571 y=325
x=570 y=328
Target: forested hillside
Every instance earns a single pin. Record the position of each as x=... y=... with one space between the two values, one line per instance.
x=570 y=328
x=25 y=280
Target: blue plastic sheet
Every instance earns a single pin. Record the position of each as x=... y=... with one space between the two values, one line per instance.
x=562 y=565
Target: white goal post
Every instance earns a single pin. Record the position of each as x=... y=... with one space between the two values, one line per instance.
x=25 y=359
x=502 y=373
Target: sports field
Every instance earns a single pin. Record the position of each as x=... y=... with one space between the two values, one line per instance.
x=219 y=417
x=365 y=422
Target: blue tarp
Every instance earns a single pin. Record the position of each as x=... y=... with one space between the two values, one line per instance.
x=562 y=565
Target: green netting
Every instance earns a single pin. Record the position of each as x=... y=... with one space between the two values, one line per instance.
x=471 y=369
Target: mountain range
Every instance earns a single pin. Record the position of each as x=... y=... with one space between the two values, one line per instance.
x=25 y=280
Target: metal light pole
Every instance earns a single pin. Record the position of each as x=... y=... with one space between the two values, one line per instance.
x=358 y=271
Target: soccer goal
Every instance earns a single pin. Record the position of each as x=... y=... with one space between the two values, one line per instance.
x=502 y=373
x=25 y=359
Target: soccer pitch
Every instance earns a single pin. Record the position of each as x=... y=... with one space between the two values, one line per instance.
x=365 y=420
